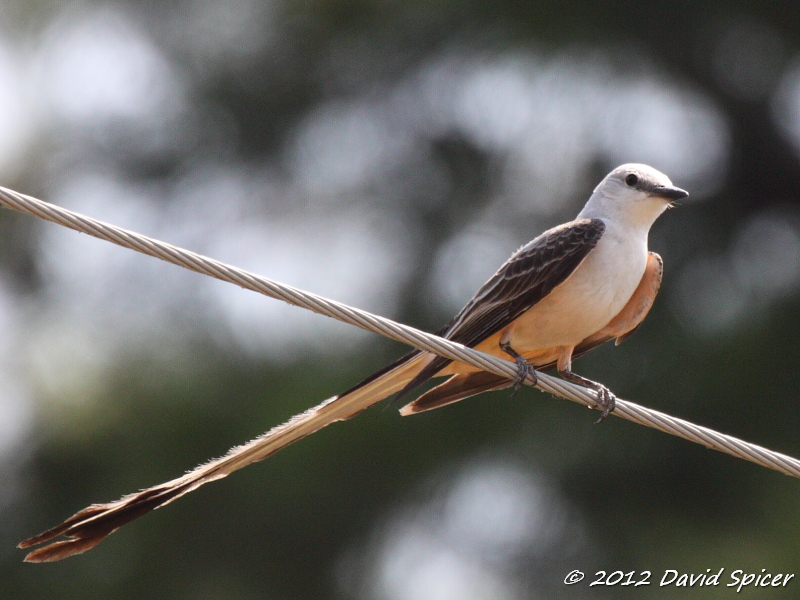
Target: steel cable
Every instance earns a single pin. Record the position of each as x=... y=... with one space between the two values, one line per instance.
x=396 y=331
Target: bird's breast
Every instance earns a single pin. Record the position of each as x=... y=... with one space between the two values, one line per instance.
x=588 y=299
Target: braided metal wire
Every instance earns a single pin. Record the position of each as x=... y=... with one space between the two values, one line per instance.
x=396 y=331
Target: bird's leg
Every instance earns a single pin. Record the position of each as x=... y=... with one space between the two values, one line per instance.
x=605 y=398
x=524 y=368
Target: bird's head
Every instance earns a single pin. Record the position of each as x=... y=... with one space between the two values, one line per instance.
x=634 y=193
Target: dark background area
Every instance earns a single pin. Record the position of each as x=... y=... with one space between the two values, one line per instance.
x=390 y=155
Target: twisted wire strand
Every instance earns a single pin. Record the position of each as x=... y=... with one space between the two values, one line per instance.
x=396 y=331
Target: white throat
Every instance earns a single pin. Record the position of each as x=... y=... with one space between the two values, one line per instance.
x=634 y=213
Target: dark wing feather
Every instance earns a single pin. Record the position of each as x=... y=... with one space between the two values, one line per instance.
x=457 y=388
x=528 y=276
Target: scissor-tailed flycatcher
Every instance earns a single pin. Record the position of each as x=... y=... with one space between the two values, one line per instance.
x=572 y=288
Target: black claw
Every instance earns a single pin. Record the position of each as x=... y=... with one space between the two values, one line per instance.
x=607 y=401
x=524 y=368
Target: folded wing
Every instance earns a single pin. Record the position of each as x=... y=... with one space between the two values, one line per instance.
x=464 y=385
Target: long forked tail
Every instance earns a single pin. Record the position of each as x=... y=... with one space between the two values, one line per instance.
x=87 y=528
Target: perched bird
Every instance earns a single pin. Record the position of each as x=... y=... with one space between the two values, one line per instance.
x=572 y=288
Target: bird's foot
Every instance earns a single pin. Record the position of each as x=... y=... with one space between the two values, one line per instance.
x=605 y=400
x=524 y=368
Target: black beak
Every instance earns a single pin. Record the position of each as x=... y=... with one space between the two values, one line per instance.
x=669 y=193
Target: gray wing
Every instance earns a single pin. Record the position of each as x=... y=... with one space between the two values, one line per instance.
x=528 y=276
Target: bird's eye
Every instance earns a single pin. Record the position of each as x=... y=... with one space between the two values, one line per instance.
x=631 y=180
